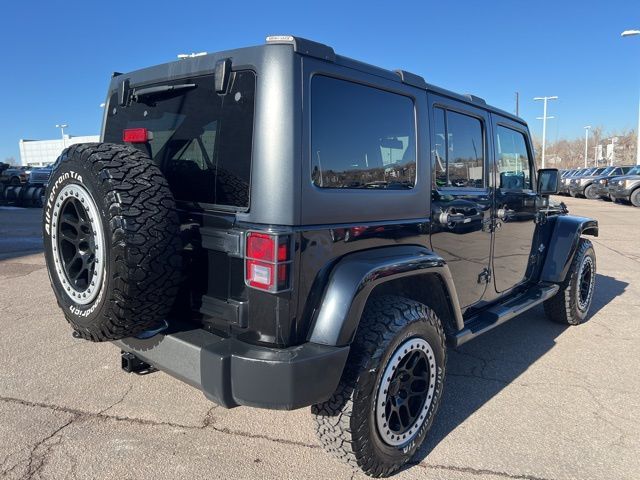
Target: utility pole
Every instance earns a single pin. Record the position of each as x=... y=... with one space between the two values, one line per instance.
x=517 y=104
x=586 y=143
x=595 y=154
x=62 y=126
x=544 y=123
x=633 y=33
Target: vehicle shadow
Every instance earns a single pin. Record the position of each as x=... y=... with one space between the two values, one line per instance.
x=480 y=369
x=607 y=288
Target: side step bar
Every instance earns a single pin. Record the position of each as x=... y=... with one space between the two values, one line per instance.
x=498 y=314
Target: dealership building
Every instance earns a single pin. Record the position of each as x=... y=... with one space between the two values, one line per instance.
x=38 y=153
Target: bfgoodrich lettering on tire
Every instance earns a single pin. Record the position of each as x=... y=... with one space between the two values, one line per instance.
x=111 y=238
x=390 y=390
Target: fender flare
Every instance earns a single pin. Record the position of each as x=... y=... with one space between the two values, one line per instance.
x=590 y=182
x=563 y=244
x=356 y=275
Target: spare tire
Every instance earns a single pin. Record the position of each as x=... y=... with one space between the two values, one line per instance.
x=111 y=240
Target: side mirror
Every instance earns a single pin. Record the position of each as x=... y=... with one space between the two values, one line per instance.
x=548 y=179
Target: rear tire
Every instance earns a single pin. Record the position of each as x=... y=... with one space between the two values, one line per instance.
x=571 y=304
x=635 y=198
x=111 y=238
x=390 y=390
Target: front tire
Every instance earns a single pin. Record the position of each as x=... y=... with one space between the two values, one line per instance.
x=634 y=198
x=571 y=304
x=590 y=192
x=390 y=390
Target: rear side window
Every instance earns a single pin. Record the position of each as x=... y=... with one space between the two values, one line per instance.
x=361 y=137
x=202 y=141
x=458 y=150
x=513 y=162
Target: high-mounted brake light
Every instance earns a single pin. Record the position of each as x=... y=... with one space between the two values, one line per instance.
x=267 y=261
x=136 y=135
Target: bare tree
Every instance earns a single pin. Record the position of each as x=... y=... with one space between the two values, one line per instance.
x=569 y=153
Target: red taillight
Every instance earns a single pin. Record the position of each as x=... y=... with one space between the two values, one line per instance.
x=136 y=135
x=261 y=246
x=267 y=261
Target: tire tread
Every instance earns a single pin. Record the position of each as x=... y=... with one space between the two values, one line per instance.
x=384 y=317
x=142 y=230
x=563 y=307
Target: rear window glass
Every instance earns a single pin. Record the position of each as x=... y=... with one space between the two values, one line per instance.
x=201 y=140
x=361 y=137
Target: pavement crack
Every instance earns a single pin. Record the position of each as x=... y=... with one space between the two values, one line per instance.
x=99 y=415
x=481 y=471
x=625 y=255
x=264 y=437
x=118 y=402
x=208 y=417
x=39 y=453
x=479 y=377
x=478 y=369
x=207 y=422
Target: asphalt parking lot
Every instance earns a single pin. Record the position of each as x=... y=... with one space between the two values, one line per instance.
x=529 y=400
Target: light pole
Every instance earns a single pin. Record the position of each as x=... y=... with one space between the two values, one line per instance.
x=62 y=126
x=586 y=143
x=633 y=33
x=613 y=151
x=544 y=122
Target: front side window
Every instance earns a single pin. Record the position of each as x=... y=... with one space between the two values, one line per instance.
x=513 y=161
x=361 y=137
x=458 y=150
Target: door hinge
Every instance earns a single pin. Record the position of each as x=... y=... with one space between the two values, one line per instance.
x=484 y=276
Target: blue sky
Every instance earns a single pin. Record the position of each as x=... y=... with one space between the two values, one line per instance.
x=58 y=56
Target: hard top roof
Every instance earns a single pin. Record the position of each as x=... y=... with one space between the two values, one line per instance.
x=324 y=52
x=202 y=62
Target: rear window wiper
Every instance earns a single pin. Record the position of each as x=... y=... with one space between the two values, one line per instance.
x=140 y=94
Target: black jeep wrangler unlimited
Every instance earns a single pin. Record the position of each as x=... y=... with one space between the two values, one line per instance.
x=280 y=226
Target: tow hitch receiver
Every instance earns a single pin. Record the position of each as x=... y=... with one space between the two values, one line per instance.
x=132 y=364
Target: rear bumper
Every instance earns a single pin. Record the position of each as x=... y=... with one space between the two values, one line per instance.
x=232 y=373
